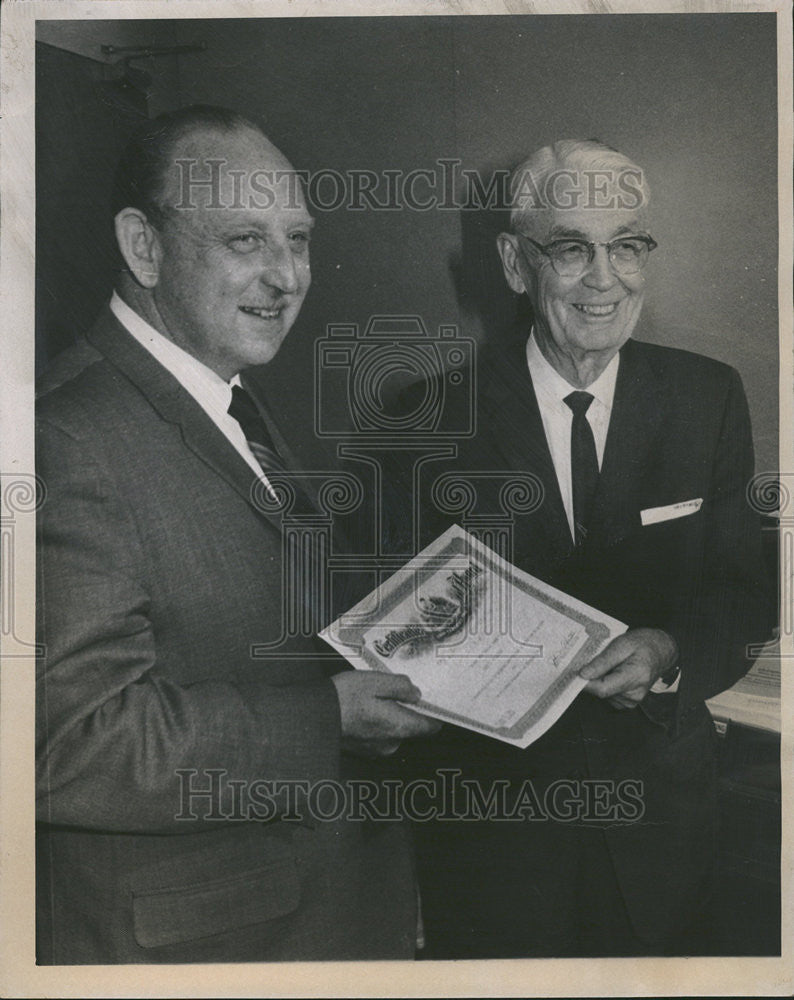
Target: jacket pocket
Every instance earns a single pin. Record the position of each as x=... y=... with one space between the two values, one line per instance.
x=171 y=915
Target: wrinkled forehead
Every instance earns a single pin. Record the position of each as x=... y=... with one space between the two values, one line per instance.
x=596 y=225
x=230 y=172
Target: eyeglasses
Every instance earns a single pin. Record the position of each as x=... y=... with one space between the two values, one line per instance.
x=571 y=258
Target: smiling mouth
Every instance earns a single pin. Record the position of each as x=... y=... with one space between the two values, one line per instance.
x=261 y=312
x=593 y=310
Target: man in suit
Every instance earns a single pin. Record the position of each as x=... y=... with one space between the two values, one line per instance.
x=642 y=455
x=179 y=774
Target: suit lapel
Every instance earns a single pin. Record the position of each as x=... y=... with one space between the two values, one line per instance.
x=175 y=405
x=515 y=432
x=510 y=412
x=638 y=414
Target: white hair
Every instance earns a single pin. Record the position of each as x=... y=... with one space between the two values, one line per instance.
x=530 y=180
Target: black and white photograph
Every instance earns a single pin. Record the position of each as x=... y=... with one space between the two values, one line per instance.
x=397 y=499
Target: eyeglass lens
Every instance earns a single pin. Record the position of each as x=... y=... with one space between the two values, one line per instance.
x=570 y=258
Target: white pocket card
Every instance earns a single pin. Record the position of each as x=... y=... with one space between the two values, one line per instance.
x=655 y=514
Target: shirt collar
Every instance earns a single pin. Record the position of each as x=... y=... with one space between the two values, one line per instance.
x=200 y=381
x=548 y=382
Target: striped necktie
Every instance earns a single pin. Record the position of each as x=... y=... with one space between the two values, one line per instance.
x=244 y=411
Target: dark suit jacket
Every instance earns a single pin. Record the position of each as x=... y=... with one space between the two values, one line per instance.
x=679 y=431
x=157 y=574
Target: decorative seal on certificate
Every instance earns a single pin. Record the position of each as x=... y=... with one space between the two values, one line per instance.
x=439 y=617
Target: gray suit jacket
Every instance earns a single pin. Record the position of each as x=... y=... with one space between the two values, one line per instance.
x=158 y=571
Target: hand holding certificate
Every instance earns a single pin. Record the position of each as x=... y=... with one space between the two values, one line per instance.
x=490 y=647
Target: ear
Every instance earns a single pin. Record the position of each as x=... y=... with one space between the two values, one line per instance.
x=139 y=245
x=507 y=244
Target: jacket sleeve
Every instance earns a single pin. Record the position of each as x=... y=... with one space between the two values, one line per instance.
x=114 y=728
x=727 y=606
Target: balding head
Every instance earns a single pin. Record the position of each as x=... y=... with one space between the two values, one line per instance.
x=148 y=160
x=214 y=231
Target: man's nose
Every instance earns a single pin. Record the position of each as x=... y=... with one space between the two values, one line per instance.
x=279 y=269
x=599 y=274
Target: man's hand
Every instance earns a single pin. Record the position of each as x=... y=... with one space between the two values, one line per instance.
x=625 y=671
x=371 y=715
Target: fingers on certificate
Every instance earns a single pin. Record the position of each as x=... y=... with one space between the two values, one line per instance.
x=370 y=707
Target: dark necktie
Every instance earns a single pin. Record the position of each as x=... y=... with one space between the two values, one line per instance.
x=584 y=463
x=244 y=411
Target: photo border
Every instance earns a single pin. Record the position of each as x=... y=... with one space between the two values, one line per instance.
x=19 y=976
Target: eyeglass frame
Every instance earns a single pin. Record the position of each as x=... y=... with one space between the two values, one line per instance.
x=591 y=249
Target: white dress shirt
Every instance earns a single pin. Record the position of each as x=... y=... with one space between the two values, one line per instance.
x=210 y=391
x=551 y=389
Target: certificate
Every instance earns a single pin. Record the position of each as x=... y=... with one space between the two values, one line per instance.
x=490 y=647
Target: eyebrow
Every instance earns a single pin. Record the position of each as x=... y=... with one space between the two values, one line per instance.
x=236 y=223
x=560 y=232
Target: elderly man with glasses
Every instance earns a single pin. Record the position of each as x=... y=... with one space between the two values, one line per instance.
x=642 y=454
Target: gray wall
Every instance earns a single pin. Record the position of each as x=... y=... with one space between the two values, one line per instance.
x=691 y=98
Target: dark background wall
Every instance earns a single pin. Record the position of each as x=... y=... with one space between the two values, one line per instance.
x=691 y=98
